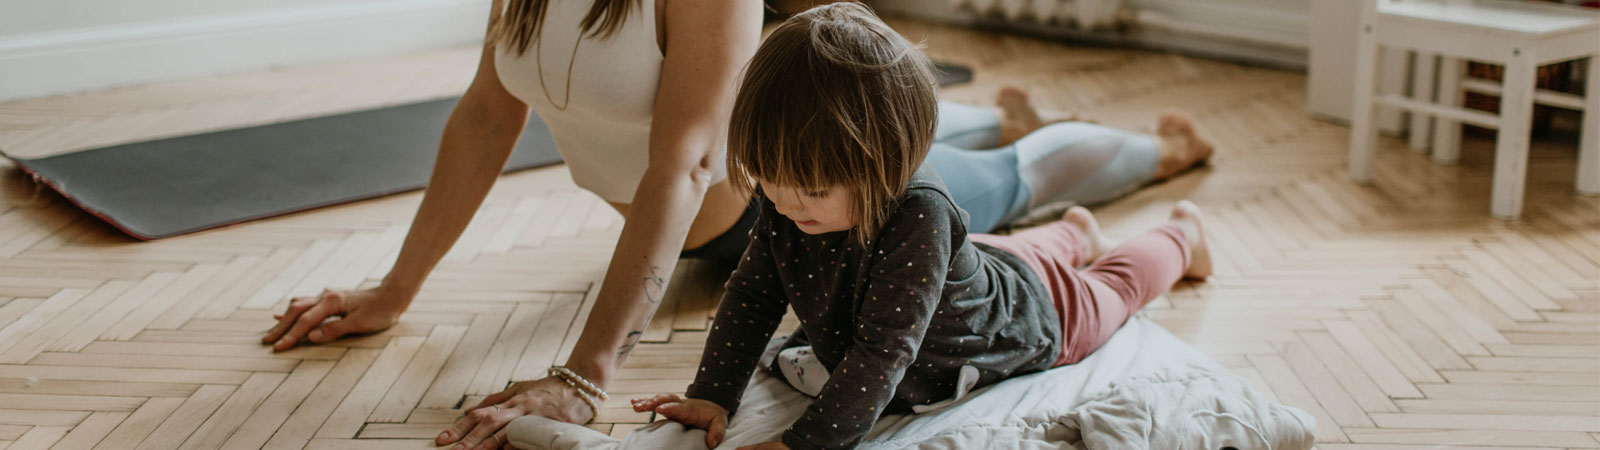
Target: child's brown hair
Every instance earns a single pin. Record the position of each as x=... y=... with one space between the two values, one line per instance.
x=835 y=97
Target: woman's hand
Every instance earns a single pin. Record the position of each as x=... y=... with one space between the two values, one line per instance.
x=359 y=312
x=692 y=412
x=483 y=426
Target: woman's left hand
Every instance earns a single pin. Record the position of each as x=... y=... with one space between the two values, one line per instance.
x=766 y=446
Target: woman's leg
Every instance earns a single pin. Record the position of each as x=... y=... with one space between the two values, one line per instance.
x=1060 y=161
x=1085 y=163
x=967 y=126
x=978 y=128
x=1075 y=161
x=984 y=183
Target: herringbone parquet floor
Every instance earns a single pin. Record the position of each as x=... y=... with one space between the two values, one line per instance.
x=1400 y=315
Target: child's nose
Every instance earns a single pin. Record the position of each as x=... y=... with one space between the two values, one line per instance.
x=787 y=207
x=783 y=209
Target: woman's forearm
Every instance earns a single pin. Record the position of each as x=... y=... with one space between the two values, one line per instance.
x=707 y=41
x=641 y=266
x=478 y=139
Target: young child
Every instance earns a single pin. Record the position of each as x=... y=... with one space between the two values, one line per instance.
x=829 y=131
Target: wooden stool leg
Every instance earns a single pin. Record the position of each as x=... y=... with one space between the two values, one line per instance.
x=1511 y=144
x=1422 y=90
x=1589 y=149
x=1447 y=131
x=1363 y=132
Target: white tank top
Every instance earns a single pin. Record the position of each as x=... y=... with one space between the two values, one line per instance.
x=604 y=133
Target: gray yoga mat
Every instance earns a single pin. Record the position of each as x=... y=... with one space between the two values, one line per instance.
x=169 y=187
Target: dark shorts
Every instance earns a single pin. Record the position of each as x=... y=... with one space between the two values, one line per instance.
x=729 y=246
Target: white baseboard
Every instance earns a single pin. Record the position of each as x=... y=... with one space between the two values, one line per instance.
x=44 y=64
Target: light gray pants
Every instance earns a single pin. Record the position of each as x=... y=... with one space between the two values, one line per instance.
x=1081 y=162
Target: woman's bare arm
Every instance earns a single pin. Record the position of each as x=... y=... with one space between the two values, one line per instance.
x=478 y=138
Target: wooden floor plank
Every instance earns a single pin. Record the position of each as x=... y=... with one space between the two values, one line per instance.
x=233 y=412
x=40 y=438
x=1530 y=422
x=141 y=423
x=189 y=416
x=275 y=409
x=364 y=397
x=407 y=390
x=323 y=400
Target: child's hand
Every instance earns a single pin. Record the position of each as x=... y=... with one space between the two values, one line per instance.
x=693 y=412
x=766 y=446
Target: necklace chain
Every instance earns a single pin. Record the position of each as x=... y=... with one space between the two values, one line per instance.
x=538 y=54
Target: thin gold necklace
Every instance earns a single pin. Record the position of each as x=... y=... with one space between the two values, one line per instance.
x=538 y=54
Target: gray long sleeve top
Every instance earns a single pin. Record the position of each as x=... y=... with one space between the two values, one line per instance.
x=893 y=322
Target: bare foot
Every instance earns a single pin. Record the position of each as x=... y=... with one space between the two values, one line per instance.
x=1186 y=215
x=1181 y=147
x=1018 y=117
x=1080 y=218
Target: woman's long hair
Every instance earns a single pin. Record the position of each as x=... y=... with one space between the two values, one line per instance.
x=519 y=23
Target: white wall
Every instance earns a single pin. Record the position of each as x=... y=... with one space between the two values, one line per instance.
x=50 y=47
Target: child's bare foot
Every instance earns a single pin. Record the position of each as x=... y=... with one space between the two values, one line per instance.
x=1080 y=218
x=1186 y=215
x=1181 y=147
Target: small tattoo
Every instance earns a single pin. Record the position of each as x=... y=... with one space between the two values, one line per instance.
x=633 y=339
x=654 y=285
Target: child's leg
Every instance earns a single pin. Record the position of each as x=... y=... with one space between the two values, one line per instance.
x=1130 y=275
x=1073 y=241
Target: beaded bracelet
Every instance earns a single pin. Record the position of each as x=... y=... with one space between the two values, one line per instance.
x=579 y=382
x=595 y=407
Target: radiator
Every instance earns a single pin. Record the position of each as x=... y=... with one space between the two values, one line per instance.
x=1083 y=14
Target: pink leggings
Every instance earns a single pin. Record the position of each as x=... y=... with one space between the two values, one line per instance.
x=1095 y=301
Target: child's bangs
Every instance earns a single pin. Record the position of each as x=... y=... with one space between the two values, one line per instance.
x=798 y=146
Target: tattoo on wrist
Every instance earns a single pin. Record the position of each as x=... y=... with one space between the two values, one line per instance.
x=655 y=287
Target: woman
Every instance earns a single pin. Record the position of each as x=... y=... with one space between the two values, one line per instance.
x=637 y=95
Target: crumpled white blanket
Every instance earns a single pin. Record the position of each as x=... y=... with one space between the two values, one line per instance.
x=1144 y=389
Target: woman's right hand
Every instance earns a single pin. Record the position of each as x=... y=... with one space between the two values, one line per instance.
x=358 y=312
x=692 y=412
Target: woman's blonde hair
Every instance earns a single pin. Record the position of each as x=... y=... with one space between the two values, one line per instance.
x=834 y=97
x=519 y=23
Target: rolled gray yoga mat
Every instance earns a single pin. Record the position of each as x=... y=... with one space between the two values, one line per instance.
x=170 y=187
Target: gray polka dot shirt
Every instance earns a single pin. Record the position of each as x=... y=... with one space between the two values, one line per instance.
x=894 y=321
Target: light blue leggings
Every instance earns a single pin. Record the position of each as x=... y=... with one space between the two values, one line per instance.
x=1081 y=162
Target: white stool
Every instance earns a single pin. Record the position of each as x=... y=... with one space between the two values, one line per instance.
x=1519 y=35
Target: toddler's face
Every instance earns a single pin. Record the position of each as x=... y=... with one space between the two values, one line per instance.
x=815 y=212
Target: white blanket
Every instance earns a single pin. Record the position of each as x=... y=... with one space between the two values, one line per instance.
x=1144 y=389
